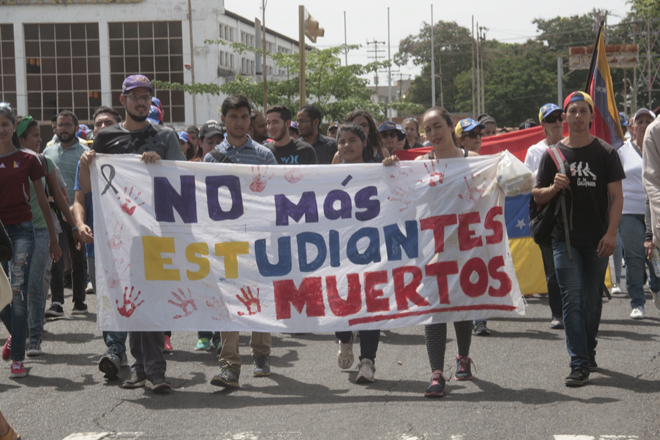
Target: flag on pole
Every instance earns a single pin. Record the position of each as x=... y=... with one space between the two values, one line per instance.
x=606 y=123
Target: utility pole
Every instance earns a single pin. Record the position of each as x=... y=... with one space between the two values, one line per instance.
x=482 y=38
x=376 y=53
x=432 y=62
x=560 y=77
x=345 y=41
x=263 y=46
x=389 y=70
x=192 y=59
x=478 y=74
x=301 y=52
x=474 y=115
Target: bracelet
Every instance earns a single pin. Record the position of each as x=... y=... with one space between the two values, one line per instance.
x=75 y=228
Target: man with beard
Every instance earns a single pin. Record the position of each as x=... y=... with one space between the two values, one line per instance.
x=258 y=130
x=287 y=151
x=66 y=152
x=154 y=142
x=309 y=120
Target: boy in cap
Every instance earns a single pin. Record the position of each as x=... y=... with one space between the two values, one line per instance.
x=595 y=202
x=468 y=133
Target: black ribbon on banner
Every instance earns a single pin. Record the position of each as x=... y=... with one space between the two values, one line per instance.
x=108 y=179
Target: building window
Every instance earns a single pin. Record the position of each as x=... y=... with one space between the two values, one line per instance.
x=153 y=49
x=283 y=49
x=226 y=60
x=227 y=33
x=7 y=65
x=247 y=39
x=62 y=69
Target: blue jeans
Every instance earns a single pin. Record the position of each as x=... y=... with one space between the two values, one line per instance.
x=580 y=282
x=654 y=281
x=116 y=343
x=554 y=296
x=632 y=229
x=36 y=296
x=368 y=342
x=15 y=315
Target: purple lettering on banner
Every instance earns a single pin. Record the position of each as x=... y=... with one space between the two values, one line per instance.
x=344 y=201
x=321 y=251
x=285 y=208
x=167 y=199
x=283 y=265
x=395 y=240
x=363 y=200
x=233 y=184
x=334 y=248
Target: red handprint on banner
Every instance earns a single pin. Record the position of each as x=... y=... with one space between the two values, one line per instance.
x=185 y=303
x=259 y=182
x=295 y=175
x=130 y=201
x=249 y=301
x=402 y=194
x=436 y=177
x=115 y=240
x=219 y=308
x=474 y=190
x=129 y=306
x=112 y=278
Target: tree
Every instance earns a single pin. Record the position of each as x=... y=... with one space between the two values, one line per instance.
x=453 y=48
x=645 y=8
x=335 y=89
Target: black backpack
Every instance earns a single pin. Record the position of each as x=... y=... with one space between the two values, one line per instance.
x=221 y=158
x=543 y=218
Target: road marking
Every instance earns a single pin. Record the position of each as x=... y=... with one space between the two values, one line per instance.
x=104 y=436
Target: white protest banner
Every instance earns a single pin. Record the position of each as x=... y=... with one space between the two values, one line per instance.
x=202 y=246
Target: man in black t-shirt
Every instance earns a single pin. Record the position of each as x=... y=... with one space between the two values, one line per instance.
x=309 y=121
x=287 y=151
x=594 y=205
x=136 y=135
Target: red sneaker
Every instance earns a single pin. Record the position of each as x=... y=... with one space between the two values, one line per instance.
x=17 y=369
x=6 y=350
x=168 y=345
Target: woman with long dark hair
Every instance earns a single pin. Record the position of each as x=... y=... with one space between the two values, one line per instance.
x=375 y=147
x=19 y=168
x=439 y=129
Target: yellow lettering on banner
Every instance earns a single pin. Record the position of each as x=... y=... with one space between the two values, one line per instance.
x=229 y=250
x=204 y=266
x=154 y=263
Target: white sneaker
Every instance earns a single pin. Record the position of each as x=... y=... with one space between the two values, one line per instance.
x=637 y=313
x=345 y=357
x=656 y=299
x=616 y=290
x=90 y=288
x=366 y=371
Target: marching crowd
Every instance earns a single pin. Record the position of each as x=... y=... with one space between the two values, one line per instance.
x=46 y=239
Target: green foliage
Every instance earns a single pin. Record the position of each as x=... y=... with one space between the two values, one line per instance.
x=335 y=89
x=645 y=8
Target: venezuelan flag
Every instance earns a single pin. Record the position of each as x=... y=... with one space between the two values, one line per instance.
x=606 y=124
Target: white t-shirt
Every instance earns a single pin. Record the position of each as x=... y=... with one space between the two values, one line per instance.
x=634 y=195
x=534 y=154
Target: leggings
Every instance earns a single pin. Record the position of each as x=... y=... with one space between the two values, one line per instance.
x=436 y=342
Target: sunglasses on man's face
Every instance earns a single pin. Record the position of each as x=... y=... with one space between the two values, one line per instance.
x=551 y=119
x=473 y=134
x=389 y=134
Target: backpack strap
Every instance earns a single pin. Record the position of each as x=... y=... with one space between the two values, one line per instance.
x=563 y=167
x=44 y=164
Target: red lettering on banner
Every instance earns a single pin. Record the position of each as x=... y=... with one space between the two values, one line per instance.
x=474 y=290
x=408 y=292
x=308 y=296
x=438 y=224
x=441 y=271
x=505 y=282
x=373 y=296
x=466 y=238
x=494 y=225
x=353 y=302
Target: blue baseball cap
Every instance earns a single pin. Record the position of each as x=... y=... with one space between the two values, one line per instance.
x=391 y=126
x=623 y=119
x=134 y=81
x=154 y=115
x=155 y=101
x=467 y=124
x=547 y=109
x=183 y=136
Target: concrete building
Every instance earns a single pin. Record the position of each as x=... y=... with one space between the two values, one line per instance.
x=74 y=54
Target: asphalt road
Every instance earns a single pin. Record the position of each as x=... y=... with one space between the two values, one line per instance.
x=518 y=391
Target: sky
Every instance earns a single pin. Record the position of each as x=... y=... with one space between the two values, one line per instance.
x=507 y=21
